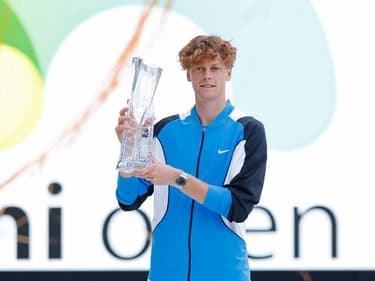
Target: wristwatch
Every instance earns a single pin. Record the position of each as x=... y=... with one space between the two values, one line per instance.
x=181 y=181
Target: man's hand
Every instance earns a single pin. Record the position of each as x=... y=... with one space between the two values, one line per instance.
x=125 y=123
x=158 y=174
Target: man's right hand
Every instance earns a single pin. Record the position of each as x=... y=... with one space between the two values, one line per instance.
x=120 y=128
x=125 y=123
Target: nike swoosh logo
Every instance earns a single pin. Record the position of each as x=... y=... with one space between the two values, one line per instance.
x=223 y=151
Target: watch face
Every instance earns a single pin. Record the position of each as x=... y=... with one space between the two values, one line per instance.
x=181 y=181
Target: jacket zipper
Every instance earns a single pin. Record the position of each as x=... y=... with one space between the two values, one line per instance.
x=193 y=204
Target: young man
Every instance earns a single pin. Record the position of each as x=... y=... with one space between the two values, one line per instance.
x=208 y=174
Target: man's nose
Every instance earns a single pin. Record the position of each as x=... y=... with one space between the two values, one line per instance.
x=207 y=73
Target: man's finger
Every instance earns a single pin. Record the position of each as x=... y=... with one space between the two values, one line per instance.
x=124 y=110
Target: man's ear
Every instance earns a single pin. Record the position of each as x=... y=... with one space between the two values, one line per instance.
x=188 y=75
x=229 y=73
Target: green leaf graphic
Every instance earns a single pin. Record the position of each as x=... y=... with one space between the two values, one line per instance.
x=13 y=33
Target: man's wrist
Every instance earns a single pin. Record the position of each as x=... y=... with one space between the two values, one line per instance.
x=181 y=180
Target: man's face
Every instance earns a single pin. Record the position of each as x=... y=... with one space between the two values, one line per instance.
x=208 y=79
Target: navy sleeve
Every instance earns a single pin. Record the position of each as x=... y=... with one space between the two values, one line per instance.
x=246 y=187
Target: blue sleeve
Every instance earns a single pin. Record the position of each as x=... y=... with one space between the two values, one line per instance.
x=218 y=199
x=132 y=192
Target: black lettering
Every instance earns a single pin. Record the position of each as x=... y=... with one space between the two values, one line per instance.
x=22 y=222
x=54 y=225
x=297 y=220
x=271 y=228
x=107 y=243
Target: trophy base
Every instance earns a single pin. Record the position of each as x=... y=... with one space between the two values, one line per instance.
x=129 y=166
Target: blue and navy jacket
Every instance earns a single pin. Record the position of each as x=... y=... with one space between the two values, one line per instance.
x=193 y=241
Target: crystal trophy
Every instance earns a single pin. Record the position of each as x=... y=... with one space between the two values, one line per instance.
x=137 y=142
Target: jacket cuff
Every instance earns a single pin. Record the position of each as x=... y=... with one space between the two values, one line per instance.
x=127 y=190
x=218 y=199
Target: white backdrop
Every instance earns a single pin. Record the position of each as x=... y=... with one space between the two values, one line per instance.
x=333 y=174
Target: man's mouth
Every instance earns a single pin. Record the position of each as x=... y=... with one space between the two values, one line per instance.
x=207 y=86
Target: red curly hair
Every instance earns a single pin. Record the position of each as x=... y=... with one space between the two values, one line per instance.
x=205 y=47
